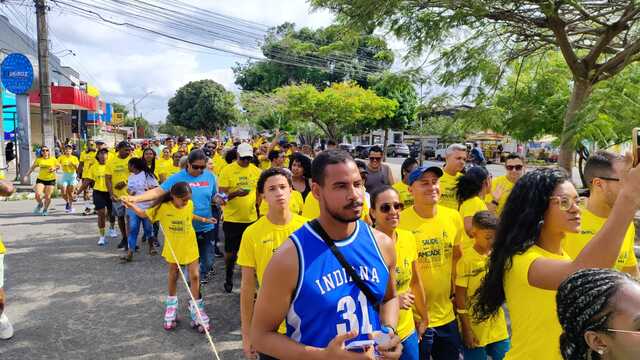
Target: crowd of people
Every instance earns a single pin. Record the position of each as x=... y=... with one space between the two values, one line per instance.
x=340 y=260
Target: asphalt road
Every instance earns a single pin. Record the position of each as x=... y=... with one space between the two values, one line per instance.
x=70 y=299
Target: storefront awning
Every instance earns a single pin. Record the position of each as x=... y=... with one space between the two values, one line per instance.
x=66 y=98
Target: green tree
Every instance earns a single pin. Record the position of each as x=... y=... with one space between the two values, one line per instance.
x=398 y=87
x=174 y=130
x=332 y=54
x=477 y=39
x=119 y=108
x=203 y=105
x=337 y=110
x=139 y=122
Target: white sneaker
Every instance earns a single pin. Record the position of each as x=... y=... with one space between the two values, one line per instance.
x=6 y=329
x=102 y=241
x=112 y=233
x=72 y=210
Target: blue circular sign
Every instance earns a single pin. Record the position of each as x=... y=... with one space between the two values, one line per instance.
x=16 y=73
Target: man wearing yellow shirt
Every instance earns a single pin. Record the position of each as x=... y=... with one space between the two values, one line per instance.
x=238 y=180
x=87 y=158
x=261 y=239
x=6 y=329
x=438 y=232
x=604 y=174
x=456 y=158
x=116 y=177
x=69 y=164
x=501 y=186
x=402 y=186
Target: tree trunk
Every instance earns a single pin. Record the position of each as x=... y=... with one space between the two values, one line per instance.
x=385 y=143
x=580 y=93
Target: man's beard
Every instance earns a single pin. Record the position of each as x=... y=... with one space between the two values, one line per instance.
x=343 y=219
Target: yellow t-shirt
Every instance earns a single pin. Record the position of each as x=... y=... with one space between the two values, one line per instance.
x=469 y=208
x=471 y=269
x=448 y=190
x=111 y=154
x=405 y=196
x=178 y=231
x=174 y=149
x=218 y=164
x=162 y=163
x=138 y=153
x=240 y=209
x=296 y=204
x=435 y=240
x=264 y=162
x=45 y=167
x=311 y=208
x=506 y=185
x=406 y=254
x=96 y=173
x=69 y=163
x=591 y=224
x=87 y=159
x=118 y=168
x=532 y=310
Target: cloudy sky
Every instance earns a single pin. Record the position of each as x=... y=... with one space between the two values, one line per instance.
x=126 y=64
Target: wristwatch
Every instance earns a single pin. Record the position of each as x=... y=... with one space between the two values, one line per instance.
x=389 y=329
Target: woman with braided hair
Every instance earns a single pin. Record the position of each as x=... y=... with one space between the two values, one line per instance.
x=599 y=311
x=528 y=264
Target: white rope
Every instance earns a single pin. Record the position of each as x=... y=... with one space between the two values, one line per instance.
x=186 y=284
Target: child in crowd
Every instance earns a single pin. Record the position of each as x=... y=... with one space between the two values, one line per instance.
x=140 y=180
x=174 y=211
x=487 y=338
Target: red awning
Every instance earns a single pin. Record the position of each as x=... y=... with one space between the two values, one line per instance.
x=66 y=98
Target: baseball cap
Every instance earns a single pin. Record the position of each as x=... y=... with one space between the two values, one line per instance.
x=245 y=149
x=417 y=173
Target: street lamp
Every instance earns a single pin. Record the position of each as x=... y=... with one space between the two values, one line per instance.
x=135 y=122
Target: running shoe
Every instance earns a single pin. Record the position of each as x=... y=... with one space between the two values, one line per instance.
x=112 y=233
x=217 y=253
x=71 y=210
x=87 y=211
x=38 y=209
x=45 y=213
x=102 y=241
x=6 y=329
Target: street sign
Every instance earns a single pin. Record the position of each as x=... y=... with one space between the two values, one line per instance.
x=16 y=73
x=118 y=119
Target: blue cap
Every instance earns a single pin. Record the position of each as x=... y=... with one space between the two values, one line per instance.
x=417 y=173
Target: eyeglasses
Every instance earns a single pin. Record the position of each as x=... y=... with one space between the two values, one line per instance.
x=198 y=167
x=386 y=207
x=565 y=203
x=514 y=167
x=624 y=331
x=375 y=158
x=607 y=178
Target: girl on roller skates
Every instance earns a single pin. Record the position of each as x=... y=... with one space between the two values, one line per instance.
x=174 y=211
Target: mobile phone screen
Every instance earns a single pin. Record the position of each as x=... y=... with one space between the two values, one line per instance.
x=636 y=146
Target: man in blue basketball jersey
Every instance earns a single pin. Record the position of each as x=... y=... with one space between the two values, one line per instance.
x=327 y=314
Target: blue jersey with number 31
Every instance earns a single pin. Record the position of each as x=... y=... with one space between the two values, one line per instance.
x=327 y=302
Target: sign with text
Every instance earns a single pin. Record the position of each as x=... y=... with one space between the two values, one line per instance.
x=16 y=72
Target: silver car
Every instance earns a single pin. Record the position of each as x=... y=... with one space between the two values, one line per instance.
x=395 y=150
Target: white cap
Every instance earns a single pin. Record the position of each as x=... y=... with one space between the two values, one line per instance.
x=245 y=149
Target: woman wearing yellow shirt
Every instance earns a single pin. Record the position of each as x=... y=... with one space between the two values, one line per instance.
x=69 y=164
x=470 y=190
x=385 y=214
x=528 y=264
x=46 y=182
x=261 y=239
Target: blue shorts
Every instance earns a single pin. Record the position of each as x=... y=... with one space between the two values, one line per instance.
x=68 y=179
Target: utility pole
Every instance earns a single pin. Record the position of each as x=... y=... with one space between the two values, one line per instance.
x=43 y=69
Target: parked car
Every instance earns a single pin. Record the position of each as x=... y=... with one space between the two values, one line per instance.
x=362 y=151
x=440 y=152
x=346 y=147
x=394 y=150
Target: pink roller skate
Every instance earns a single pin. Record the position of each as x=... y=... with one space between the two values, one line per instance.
x=170 y=313
x=195 y=321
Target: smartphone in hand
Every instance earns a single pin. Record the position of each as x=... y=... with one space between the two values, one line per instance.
x=635 y=139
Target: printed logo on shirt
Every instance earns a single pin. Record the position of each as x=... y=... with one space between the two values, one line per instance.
x=198 y=184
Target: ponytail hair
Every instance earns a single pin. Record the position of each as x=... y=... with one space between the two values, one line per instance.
x=179 y=190
x=141 y=164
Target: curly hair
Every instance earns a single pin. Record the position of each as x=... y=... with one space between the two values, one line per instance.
x=518 y=230
x=470 y=183
x=584 y=304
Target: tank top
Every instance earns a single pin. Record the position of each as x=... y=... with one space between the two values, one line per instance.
x=377 y=178
x=326 y=300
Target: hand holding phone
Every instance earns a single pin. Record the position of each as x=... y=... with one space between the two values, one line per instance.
x=635 y=140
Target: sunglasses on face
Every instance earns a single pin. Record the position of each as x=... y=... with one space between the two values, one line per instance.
x=514 y=167
x=198 y=167
x=375 y=158
x=565 y=203
x=386 y=208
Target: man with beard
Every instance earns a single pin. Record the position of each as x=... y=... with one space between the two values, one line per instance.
x=332 y=281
